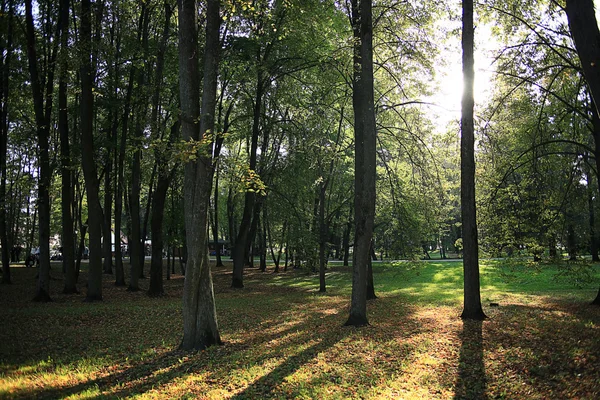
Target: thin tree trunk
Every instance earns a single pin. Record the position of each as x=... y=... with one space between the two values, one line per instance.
x=119 y=193
x=472 y=298
x=158 y=206
x=6 y=49
x=322 y=237
x=216 y=218
x=346 y=240
x=164 y=176
x=144 y=230
x=68 y=236
x=231 y=218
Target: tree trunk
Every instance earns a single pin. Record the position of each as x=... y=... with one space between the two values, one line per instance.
x=200 y=328
x=262 y=240
x=365 y=157
x=6 y=50
x=95 y=217
x=42 y=119
x=571 y=242
x=346 y=240
x=68 y=236
x=120 y=183
x=144 y=229
x=216 y=218
x=370 y=281
x=592 y=216
x=472 y=298
x=322 y=237
x=158 y=206
x=584 y=30
x=231 y=218
x=106 y=225
x=164 y=175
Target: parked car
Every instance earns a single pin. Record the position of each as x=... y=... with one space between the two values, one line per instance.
x=56 y=255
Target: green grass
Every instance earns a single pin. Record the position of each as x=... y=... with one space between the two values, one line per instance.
x=284 y=340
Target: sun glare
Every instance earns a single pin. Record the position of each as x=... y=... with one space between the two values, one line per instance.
x=448 y=97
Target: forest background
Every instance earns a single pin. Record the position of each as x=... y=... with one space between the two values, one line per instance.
x=283 y=140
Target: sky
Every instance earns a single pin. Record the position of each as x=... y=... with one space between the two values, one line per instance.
x=450 y=81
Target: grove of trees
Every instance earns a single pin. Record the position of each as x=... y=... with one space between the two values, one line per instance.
x=295 y=132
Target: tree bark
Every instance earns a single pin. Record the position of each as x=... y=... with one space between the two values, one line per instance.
x=216 y=218
x=136 y=251
x=322 y=237
x=586 y=35
x=6 y=50
x=472 y=298
x=164 y=175
x=95 y=217
x=120 y=184
x=200 y=327
x=243 y=239
x=42 y=119
x=365 y=155
x=68 y=236
x=158 y=206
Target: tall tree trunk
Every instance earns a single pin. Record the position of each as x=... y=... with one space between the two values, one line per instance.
x=5 y=60
x=472 y=298
x=136 y=251
x=95 y=216
x=200 y=328
x=164 y=175
x=42 y=118
x=68 y=236
x=120 y=183
x=365 y=155
x=106 y=225
x=244 y=238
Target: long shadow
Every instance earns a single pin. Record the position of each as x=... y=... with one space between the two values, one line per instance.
x=268 y=385
x=471 y=382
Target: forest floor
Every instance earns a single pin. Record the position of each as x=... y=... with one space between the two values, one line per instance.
x=283 y=339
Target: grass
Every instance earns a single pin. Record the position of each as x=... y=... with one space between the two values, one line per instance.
x=285 y=340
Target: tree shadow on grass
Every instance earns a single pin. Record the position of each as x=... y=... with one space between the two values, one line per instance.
x=268 y=385
x=471 y=382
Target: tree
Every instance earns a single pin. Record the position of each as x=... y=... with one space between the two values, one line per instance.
x=472 y=298
x=95 y=216
x=42 y=108
x=68 y=237
x=365 y=154
x=200 y=328
x=6 y=50
x=585 y=32
x=165 y=171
